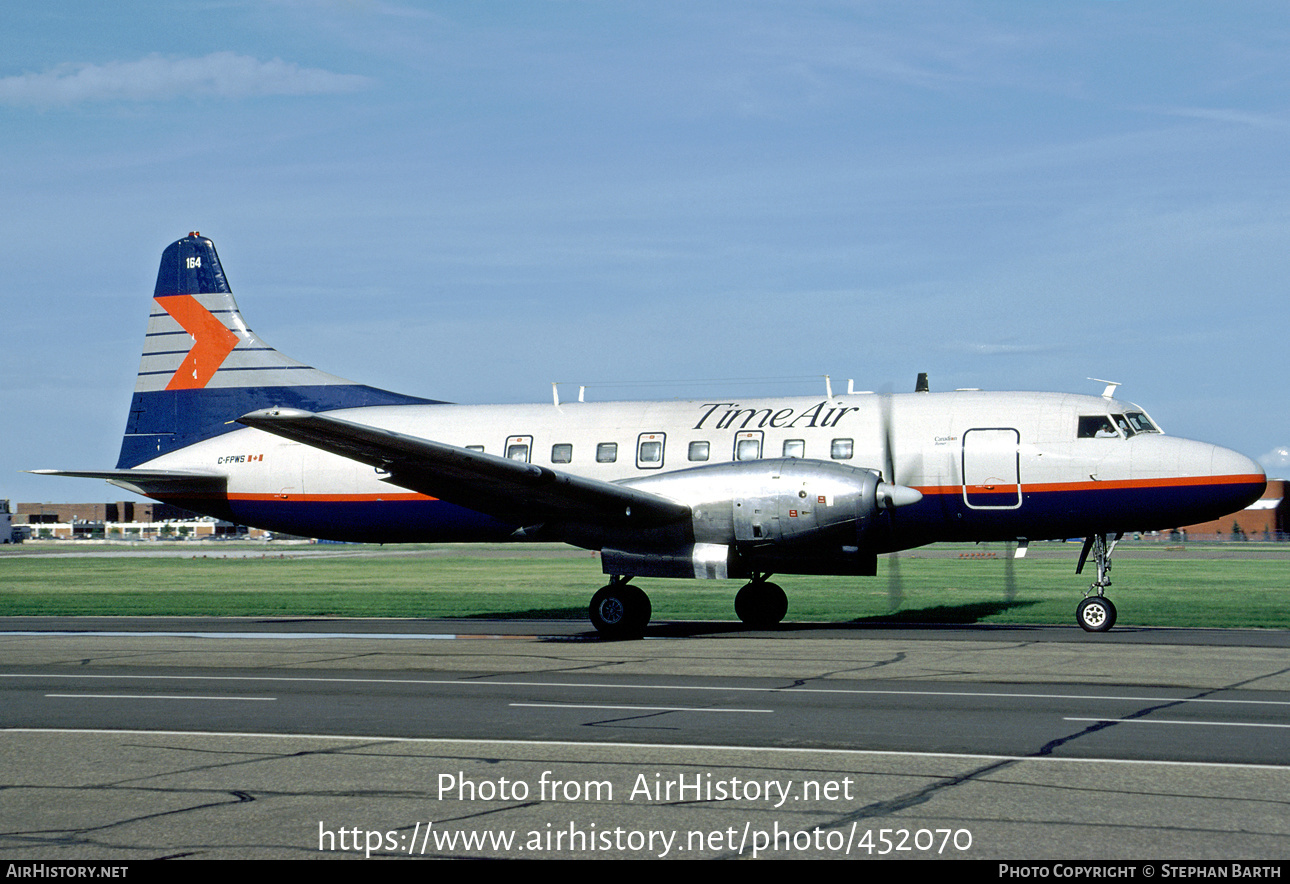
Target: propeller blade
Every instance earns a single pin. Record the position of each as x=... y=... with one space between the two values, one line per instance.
x=888 y=454
x=895 y=589
x=1009 y=572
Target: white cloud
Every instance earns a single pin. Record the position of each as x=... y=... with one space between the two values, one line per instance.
x=984 y=348
x=160 y=78
x=1274 y=121
x=1277 y=461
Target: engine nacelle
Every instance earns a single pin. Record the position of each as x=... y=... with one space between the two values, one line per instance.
x=788 y=515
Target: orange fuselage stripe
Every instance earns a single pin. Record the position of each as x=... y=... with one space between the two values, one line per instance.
x=1038 y=488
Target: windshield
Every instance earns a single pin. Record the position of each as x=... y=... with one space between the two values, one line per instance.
x=1113 y=426
x=1140 y=423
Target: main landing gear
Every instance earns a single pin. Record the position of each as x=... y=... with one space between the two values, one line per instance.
x=620 y=610
x=1096 y=613
x=761 y=604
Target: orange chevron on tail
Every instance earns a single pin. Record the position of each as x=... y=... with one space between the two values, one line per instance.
x=212 y=342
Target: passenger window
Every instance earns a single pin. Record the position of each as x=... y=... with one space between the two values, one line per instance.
x=607 y=452
x=1096 y=426
x=649 y=451
x=841 y=449
x=562 y=453
x=698 y=451
x=748 y=446
x=794 y=448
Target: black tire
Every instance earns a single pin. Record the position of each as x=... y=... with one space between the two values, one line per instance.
x=1095 y=614
x=620 y=611
x=761 y=605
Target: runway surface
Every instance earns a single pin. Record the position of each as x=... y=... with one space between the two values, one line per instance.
x=208 y=737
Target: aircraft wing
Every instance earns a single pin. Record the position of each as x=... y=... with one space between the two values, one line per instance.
x=512 y=491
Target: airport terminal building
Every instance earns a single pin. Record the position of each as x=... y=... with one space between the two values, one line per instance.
x=120 y=520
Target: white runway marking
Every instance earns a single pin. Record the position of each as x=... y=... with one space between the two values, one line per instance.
x=778 y=689
x=446 y=741
x=1173 y=721
x=635 y=708
x=149 y=697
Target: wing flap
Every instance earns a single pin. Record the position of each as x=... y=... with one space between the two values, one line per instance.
x=512 y=491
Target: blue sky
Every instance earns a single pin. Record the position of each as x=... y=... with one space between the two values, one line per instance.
x=469 y=200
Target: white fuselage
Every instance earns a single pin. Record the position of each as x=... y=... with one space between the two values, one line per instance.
x=1009 y=464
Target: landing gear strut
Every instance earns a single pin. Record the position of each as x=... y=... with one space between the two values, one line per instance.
x=760 y=604
x=1096 y=613
x=620 y=610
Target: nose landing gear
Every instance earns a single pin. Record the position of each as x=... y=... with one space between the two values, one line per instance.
x=1096 y=613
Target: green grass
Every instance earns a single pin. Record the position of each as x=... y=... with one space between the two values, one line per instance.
x=1156 y=586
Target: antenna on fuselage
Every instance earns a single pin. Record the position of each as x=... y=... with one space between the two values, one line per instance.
x=920 y=385
x=1109 y=392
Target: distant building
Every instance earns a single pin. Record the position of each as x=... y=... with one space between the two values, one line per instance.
x=6 y=523
x=120 y=511
x=122 y=520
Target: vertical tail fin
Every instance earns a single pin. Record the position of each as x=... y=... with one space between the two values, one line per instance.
x=202 y=366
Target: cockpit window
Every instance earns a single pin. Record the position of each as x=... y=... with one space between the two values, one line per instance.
x=1097 y=426
x=1140 y=423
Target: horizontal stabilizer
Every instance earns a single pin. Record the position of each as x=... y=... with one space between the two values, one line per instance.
x=513 y=491
x=151 y=482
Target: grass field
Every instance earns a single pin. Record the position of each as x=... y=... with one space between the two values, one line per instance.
x=1245 y=585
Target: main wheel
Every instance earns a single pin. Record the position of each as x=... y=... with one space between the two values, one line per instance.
x=620 y=611
x=760 y=605
x=1095 y=614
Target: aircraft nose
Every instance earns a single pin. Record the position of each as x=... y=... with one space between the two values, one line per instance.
x=1226 y=462
x=1244 y=476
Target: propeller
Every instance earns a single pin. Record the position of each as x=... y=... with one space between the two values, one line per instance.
x=887 y=491
x=891 y=494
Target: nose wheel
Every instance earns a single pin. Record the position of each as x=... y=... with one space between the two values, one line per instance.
x=1096 y=613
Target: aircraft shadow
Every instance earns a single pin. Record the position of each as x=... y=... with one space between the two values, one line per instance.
x=948 y=615
x=576 y=613
x=937 y=617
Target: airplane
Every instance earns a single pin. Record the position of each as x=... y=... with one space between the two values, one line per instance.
x=222 y=424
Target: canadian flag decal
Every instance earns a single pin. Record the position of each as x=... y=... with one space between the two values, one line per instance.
x=212 y=342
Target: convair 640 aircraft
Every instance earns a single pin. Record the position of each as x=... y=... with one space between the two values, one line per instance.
x=225 y=425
